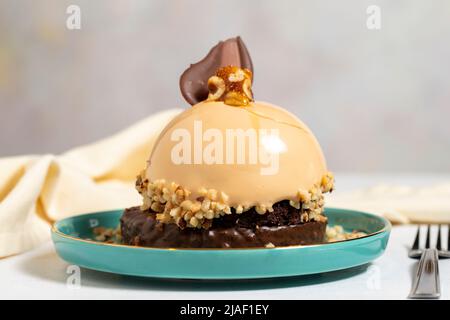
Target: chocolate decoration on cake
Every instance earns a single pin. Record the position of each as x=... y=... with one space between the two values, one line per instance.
x=194 y=81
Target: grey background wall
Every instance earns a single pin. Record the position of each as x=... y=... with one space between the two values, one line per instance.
x=376 y=100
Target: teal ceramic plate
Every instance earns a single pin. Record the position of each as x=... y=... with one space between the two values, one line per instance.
x=71 y=235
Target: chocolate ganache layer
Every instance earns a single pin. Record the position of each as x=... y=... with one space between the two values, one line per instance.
x=282 y=227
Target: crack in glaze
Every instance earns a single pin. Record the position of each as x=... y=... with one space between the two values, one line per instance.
x=275 y=120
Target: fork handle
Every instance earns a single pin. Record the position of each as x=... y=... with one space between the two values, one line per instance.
x=426 y=284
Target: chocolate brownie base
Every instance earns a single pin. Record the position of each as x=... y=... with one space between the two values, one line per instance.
x=280 y=228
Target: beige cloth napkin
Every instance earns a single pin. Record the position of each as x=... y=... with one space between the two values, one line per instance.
x=400 y=204
x=37 y=190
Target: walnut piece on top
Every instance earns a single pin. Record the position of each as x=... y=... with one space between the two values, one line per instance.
x=232 y=85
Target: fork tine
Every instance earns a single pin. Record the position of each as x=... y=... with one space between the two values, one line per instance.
x=427 y=244
x=438 y=242
x=448 y=238
x=417 y=240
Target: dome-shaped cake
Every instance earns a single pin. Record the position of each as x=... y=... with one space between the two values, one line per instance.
x=230 y=171
x=292 y=164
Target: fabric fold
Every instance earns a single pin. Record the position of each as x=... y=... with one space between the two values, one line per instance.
x=37 y=190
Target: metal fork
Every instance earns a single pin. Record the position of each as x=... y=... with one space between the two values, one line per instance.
x=426 y=283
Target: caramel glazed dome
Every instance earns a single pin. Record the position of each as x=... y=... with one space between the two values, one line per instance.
x=209 y=195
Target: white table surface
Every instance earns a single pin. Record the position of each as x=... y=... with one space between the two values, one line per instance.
x=41 y=274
